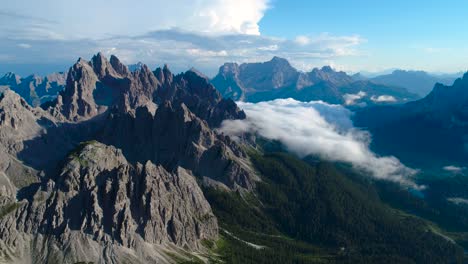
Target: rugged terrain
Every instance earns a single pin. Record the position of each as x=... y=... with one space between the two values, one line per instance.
x=128 y=166
x=430 y=133
x=254 y=82
x=68 y=198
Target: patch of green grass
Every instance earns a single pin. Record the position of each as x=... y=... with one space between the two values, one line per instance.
x=75 y=154
x=209 y=244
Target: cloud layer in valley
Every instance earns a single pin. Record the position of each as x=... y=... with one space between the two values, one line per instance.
x=317 y=128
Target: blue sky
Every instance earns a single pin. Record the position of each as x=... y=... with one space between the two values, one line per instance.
x=409 y=34
x=359 y=35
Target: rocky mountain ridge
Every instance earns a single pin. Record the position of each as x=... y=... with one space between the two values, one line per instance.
x=137 y=192
x=276 y=78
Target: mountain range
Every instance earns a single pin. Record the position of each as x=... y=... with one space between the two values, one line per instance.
x=418 y=82
x=34 y=89
x=274 y=79
x=430 y=132
x=254 y=82
x=129 y=166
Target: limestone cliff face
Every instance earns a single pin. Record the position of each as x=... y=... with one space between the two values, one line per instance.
x=94 y=86
x=101 y=198
x=18 y=123
x=135 y=196
x=175 y=137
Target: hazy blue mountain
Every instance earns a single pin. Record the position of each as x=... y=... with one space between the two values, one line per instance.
x=136 y=66
x=429 y=133
x=418 y=82
x=36 y=90
x=254 y=82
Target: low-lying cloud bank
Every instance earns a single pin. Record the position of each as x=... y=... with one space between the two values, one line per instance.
x=318 y=128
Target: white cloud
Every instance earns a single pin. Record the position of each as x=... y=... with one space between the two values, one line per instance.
x=458 y=201
x=202 y=34
x=207 y=53
x=383 y=99
x=302 y=40
x=24 y=45
x=269 y=48
x=124 y=17
x=182 y=49
x=454 y=169
x=317 y=128
x=350 y=99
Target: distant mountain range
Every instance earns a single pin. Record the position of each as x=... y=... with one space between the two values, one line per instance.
x=274 y=79
x=418 y=82
x=254 y=82
x=35 y=89
x=430 y=132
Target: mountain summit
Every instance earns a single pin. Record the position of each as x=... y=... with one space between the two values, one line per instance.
x=276 y=78
x=135 y=192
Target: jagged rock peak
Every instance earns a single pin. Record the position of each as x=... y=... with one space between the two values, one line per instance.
x=166 y=68
x=134 y=67
x=102 y=203
x=101 y=66
x=279 y=60
x=164 y=75
x=11 y=100
x=10 y=78
x=199 y=73
x=77 y=100
x=118 y=66
x=229 y=67
x=327 y=69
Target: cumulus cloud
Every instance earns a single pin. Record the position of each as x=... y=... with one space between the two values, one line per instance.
x=317 y=128
x=202 y=34
x=183 y=49
x=104 y=19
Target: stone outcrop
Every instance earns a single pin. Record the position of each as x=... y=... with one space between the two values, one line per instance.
x=135 y=197
x=105 y=201
x=175 y=137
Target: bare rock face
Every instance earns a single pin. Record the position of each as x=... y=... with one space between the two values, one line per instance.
x=18 y=123
x=199 y=95
x=109 y=204
x=175 y=137
x=129 y=201
x=77 y=100
x=228 y=82
x=94 y=86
